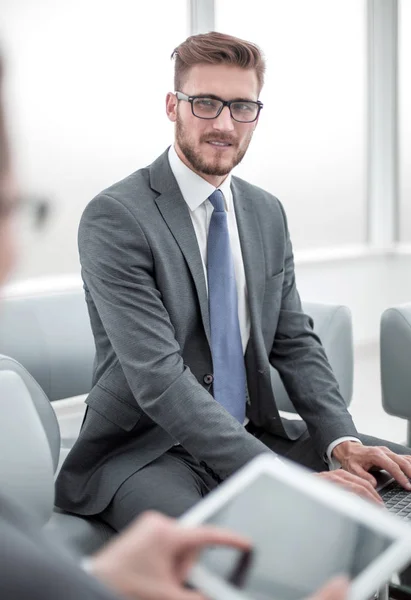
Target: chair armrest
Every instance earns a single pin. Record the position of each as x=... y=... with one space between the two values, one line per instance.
x=333 y=325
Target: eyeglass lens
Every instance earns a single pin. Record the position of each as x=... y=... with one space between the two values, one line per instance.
x=208 y=108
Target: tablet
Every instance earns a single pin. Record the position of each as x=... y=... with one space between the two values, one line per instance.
x=304 y=531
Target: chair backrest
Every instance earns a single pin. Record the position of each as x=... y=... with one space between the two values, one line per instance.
x=50 y=335
x=41 y=403
x=395 y=360
x=333 y=325
x=29 y=453
x=26 y=465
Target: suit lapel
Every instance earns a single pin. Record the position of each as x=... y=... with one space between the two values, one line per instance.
x=176 y=214
x=252 y=251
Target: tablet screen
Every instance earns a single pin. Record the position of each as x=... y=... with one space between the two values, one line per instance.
x=299 y=543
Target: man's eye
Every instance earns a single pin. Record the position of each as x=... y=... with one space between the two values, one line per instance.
x=243 y=107
x=206 y=103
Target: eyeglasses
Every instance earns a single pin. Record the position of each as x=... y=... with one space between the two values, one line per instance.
x=36 y=208
x=206 y=107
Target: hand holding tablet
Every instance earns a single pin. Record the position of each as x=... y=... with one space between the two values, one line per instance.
x=305 y=531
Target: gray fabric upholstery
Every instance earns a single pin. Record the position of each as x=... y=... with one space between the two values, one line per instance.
x=26 y=466
x=333 y=325
x=50 y=335
x=29 y=454
x=44 y=410
x=395 y=359
x=82 y=536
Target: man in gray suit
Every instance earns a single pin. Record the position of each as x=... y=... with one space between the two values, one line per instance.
x=189 y=279
x=150 y=560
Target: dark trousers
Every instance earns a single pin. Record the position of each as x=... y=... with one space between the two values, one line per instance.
x=176 y=481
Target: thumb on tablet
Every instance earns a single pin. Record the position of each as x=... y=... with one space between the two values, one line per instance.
x=336 y=589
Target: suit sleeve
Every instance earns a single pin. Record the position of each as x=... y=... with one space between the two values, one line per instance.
x=300 y=359
x=119 y=271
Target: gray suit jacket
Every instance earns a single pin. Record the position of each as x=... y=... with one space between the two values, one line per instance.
x=32 y=567
x=147 y=300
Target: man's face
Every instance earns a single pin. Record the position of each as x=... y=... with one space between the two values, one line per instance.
x=213 y=147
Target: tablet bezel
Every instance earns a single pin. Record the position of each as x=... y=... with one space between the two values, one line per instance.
x=366 y=583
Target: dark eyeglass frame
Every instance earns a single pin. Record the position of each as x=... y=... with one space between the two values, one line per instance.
x=38 y=207
x=190 y=99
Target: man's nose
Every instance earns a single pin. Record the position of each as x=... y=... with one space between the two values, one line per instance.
x=224 y=122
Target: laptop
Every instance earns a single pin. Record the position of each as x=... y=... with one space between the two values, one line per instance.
x=303 y=532
x=396 y=499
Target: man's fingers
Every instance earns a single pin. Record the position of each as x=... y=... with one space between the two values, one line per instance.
x=195 y=539
x=361 y=490
x=404 y=462
x=365 y=475
x=361 y=483
x=184 y=594
x=336 y=589
x=383 y=460
x=354 y=484
x=170 y=591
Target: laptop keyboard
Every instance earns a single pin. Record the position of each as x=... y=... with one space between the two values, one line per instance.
x=397 y=500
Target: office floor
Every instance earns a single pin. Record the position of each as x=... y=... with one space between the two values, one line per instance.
x=366 y=407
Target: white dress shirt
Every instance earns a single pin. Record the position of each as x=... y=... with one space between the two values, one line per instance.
x=196 y=191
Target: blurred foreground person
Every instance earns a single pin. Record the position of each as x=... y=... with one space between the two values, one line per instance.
x=149 y=561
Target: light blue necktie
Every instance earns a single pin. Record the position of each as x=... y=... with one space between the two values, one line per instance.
x=226 y=348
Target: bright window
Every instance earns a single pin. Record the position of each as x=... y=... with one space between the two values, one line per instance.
x=405 y=119
x=310 y=145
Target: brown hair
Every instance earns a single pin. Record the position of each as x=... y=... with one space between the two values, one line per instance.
x=216 y=49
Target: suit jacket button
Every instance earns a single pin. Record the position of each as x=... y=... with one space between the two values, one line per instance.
x=208 y=379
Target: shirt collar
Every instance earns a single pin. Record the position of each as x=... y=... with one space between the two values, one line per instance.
x=194 y=189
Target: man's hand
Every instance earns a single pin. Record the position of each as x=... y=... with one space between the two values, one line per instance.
x=352 y=483
x=358 y=459
x=153 y=556
x=336 y=589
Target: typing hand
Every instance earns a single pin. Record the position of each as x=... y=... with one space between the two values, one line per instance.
x=352 y=483
x=358 y=459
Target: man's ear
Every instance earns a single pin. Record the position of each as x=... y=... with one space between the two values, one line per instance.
x=171 y=106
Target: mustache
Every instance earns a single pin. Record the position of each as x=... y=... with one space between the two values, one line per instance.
x=224 y=138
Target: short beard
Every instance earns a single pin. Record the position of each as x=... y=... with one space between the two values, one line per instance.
x=196 y=160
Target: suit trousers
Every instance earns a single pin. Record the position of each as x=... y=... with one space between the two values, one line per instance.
x=176 y=481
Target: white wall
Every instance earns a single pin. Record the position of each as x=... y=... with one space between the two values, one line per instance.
x=368 y=283
x=309 y=148
x=405 y=117
x=87 y=81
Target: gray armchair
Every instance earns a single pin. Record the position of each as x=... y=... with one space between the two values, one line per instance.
x=49 y=334
x=333 y=325
x=29 y=455
x=49 y=338
x=395 y=361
